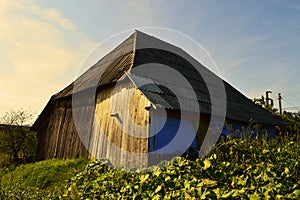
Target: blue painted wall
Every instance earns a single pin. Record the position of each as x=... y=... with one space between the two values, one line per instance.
x=168 y=135
x=241 y=130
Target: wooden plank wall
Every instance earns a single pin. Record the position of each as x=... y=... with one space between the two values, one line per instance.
x=123 y=137
x=59 y=138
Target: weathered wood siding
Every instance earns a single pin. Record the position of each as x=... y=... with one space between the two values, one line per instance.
x=58 y=138
x=120 y=139
x=123 y=137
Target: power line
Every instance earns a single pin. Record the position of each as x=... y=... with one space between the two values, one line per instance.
x=291 y=108
x=280 y=97
x=288 y=102
x=292 y=97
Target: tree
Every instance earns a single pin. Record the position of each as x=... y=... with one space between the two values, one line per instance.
x=269 y=107
x=292 y=124
x=17 y=141
x=291 y=121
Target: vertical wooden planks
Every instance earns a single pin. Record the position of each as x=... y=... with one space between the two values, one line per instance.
x=121 y=133
x=62 y=140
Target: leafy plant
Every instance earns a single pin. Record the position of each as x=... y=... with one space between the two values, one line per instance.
x=235 y=169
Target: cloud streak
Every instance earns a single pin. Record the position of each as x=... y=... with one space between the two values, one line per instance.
x=39 y=46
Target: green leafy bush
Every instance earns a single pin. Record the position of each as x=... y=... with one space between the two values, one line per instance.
x=236 y=169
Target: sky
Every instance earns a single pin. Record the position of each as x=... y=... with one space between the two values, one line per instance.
x=43 y=43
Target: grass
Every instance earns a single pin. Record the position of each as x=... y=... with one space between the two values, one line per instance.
x=39 y=180
x=235 y=169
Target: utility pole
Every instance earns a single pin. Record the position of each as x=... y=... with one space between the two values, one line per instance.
x=263 y=100
x=279 y=99
x=268 y=99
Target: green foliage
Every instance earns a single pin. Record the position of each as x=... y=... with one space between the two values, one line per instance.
x=45 y=179
x=235 y=169
x=291 y=120
x=291 y=125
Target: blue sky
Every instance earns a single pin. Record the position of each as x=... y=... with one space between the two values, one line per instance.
x=255 y=44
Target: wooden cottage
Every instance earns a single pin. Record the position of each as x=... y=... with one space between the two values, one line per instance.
x=129 y=104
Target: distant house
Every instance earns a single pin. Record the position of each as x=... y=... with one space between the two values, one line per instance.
x=124 y=94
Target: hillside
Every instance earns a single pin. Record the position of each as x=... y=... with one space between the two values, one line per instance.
x=236 y=169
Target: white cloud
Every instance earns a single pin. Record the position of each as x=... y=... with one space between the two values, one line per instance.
x=10 y=4
x=52 y=15
x=39 y=46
